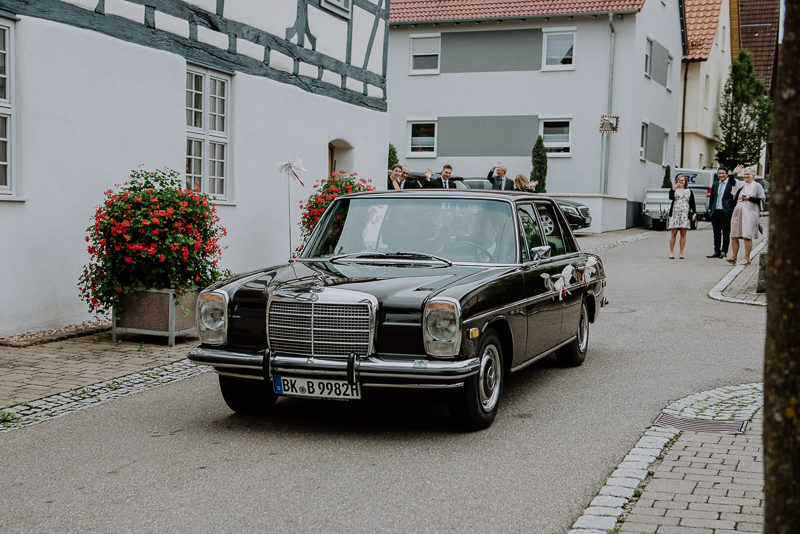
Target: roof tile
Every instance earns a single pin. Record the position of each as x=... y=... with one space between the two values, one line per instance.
x=447 y=10
x=702 y=17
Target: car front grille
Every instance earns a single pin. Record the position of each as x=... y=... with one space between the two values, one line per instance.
x=317 y=329
x=584 y=211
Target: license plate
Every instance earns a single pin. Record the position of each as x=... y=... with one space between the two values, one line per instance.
x=319 y=388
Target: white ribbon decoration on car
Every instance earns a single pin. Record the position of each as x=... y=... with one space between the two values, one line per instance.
x=561 y=281
x=589 y=270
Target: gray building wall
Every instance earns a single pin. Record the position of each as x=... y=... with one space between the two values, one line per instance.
x=507 y=136
x=491 y=51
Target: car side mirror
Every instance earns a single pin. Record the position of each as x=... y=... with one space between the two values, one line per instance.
x=541 y=253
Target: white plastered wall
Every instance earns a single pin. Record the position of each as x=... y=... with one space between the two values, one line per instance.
x=83 y=125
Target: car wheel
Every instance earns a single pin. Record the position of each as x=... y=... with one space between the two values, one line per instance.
x=246 y=396
x=574 y=354
x=474 y=406
x=548 y=223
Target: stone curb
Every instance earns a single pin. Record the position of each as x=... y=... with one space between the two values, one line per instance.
x=726 y=403
x=55 y=337
x=716 y=292
x=33 y=412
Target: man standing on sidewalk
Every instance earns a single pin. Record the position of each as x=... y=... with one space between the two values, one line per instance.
x=720 y=207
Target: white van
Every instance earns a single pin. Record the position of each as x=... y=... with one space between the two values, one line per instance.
x=700 y=182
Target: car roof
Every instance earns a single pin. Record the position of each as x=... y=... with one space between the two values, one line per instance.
x=477 y=194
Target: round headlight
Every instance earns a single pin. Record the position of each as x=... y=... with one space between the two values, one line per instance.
x=442 y=324
x=212 y=315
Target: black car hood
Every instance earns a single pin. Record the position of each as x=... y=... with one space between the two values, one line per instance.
x=395 y=287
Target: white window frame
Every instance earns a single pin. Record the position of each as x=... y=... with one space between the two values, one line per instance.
x=546 y=33
x=208 y=137
x=416 y=72
x=9 y=191
x=340 y=7
x=552 y=144
x=669 y=72
x=643 y=140
x=648 y=57
x=411 y=123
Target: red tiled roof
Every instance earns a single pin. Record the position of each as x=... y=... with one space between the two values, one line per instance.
x=760 y=20
x=702 y=17
x=446 y=10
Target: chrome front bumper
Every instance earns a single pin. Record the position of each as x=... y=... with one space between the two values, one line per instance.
x=369 y=371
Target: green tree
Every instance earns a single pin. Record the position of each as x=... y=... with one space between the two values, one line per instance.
x=392 y=156
x=746 y=118
x=539 y=163
x=667 y=182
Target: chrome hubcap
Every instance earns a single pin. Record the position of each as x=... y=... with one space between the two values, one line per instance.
x=489 y=379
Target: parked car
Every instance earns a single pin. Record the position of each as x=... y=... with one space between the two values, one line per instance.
x=577 y=213
x=378 y=300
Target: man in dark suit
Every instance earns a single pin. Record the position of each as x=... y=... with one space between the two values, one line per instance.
x=720 y=207
x=497 y=175
x=443 y=181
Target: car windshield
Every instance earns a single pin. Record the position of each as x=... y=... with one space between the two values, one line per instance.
x=444 y=229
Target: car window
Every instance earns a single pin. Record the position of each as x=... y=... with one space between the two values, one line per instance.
x=458 y=229
x=532 y=234
x=552 y=230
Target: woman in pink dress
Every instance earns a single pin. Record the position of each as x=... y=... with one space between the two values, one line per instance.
x=744 y=224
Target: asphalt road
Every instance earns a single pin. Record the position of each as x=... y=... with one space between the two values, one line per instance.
x=175 y=459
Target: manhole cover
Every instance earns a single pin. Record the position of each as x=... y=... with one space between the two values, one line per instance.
x=609 y=309
x=700 y=425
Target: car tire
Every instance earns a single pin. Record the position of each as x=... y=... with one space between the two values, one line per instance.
x=474 y=406
x=574 y=354
x=247 y=396
x=548 y=223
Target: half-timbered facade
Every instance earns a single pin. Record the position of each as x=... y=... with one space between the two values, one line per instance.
x=220 y=90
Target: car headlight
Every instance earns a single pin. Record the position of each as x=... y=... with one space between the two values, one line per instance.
x=441 y=326
x=212 y=317
x=570 y=210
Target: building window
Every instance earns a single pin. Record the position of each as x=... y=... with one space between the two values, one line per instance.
x=669 y=73
x=7 y=185
x=706 y=91
x=643 y=141
x=207 y=131
x=422 y=139
x=648 y=56
x=556 y=137
x=425 y=53
x=558 y=49
x=340 y=7
x=665 y=150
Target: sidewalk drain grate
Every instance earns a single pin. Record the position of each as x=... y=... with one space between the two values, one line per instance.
x=700 y=425
x=608 y=309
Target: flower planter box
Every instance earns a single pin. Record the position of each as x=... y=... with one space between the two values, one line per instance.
x=154 y=312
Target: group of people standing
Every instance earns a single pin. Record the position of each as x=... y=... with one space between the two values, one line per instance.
x=734 y=207
x=399 y=179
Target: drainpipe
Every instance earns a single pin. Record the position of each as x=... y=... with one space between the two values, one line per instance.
x=607 y=137
x=683 y=112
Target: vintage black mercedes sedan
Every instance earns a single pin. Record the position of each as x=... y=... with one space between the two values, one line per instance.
x=410 y=289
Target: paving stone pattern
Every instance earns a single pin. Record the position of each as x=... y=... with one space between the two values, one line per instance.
x=684 y=482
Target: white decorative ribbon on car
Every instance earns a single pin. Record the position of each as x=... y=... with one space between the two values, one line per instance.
x=561 y=281
x=290 y=166
x=589 y=270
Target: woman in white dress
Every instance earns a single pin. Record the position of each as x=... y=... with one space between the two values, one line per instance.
x=682 y=210
x=744 y=223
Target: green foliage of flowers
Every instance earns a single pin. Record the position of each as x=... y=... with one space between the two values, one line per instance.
x=335 y=185
x=152 y=232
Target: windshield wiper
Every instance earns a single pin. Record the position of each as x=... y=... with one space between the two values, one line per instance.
x=410 y=255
